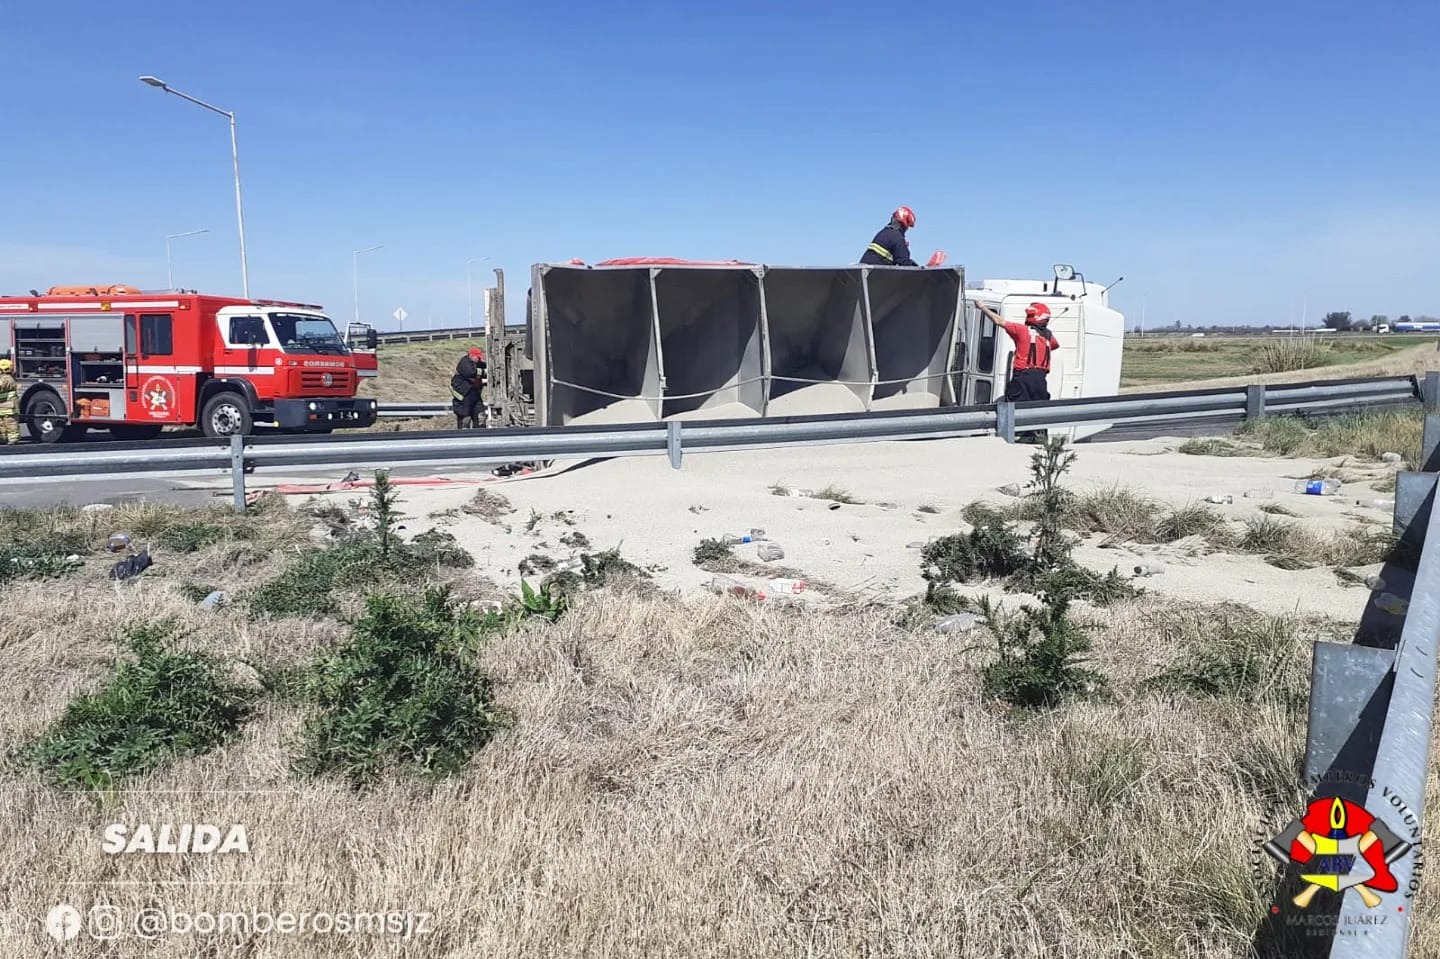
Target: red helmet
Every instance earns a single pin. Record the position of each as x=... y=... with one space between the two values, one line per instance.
x=1036 y=314
x=476 y=353
x=905 y=216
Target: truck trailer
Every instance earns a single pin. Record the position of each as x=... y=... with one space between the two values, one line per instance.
x=654 y=339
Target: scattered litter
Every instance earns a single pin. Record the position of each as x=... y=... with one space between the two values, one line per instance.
x=1260 y=493
x=133 y=566
x=833 y=506
x=215 y=599
x=1390 y=603
x=957 y=623
x=1149 y=569
x=792 y=491
x=787 y=586
x=725 y=586
x=96 y=507
x=1317 y=487
x=1010 y=489
x=1392 y=457
x=1219 y=499
x=1375 y=582
x=735 y=539
x=351 y=477
x=117 y=543
x=769 y=552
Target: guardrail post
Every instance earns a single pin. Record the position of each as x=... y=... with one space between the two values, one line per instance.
x=1254 y=401
x=1430 y=390
x=672 y=442
x=1414 y=494
x=1005 y=420
x=237 y=470
x=1430 y=445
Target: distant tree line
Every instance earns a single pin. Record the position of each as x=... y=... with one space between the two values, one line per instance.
x=1340 y=321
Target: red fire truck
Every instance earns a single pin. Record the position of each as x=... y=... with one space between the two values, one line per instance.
x=134 y=362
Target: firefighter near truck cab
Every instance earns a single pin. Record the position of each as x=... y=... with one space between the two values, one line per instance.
x=133 y=363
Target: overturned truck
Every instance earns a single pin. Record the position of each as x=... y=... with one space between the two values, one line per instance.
x=646 y=340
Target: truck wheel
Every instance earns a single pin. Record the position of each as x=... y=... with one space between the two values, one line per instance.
x=134 y=431
x=226 y=414
x=45 y=415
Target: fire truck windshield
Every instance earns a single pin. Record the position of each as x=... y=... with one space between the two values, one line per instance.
x=306 y=333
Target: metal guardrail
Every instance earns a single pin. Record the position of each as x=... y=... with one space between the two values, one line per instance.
x=427 y=336
x=673 y=437
x=1369 y=730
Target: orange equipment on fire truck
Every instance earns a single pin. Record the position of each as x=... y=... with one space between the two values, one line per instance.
x=134 y=362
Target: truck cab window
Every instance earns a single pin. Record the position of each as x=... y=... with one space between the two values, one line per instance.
x=155 y=335
x=248 y=331
x=985 y=354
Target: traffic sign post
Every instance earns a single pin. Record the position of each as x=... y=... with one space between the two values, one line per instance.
x=400 y=315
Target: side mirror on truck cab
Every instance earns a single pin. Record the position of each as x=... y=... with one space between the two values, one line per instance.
x=372 y=340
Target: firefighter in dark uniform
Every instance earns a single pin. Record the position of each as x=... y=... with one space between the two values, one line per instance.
x=465 y=388
x=890 y=248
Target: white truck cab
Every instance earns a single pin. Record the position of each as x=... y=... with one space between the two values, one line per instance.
x=1091 y=336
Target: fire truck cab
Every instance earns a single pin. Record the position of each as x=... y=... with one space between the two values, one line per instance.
x=134 y=362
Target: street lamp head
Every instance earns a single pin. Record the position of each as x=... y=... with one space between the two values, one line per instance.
x=153 y=81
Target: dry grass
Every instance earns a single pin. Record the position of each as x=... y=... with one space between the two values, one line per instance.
x=1290 y=353
x=1119 y=513
x=1362 y=435
x=714 y=778
x=417 y=372
x=700 y=778
x=1290 y=545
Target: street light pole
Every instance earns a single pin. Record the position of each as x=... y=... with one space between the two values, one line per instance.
x=234 y=157
x=355 y=262
x=469 y=291
x=169 y=272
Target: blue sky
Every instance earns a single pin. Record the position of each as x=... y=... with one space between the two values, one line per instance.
x=1228 y=158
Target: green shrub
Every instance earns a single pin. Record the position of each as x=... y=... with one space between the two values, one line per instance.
x=1040 y=657
x=36 y=561
x=402 y=694
x=364 y=557
x=1210 y=446
x=713 y=555
x=160 y=706
x=991 y=550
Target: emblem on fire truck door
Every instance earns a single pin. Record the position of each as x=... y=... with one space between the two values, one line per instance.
x=157 y=396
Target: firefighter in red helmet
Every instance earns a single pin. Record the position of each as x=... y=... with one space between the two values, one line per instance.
x=465 y=388
x=1034 y=344
x=890 y=248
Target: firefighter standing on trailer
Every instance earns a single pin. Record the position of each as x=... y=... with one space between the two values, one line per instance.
x=465 y=388
x=9 y=393
x=890 y=248
x=1033 y=345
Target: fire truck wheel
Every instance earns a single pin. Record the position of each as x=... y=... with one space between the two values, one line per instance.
x=45 y=415
x=226 y=414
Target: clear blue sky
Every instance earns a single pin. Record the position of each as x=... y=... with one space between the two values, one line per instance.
x=1228 y=158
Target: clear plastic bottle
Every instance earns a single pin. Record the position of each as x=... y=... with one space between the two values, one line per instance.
x=769 y=552
x=783 y=586
x=118 y=542
x=735 y=539
x=1317 y=487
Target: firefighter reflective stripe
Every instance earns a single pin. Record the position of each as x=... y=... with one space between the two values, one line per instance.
x=877 y=248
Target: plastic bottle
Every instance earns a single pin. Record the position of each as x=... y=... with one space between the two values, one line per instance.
x=1217 y=499
x=1317 y=487
x=215 y=599
x=735 y=539
x=957 y=623
x=782 y=586
x=770 y=552
x=1149 y=569
x=118 y=542
x=725 y=586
